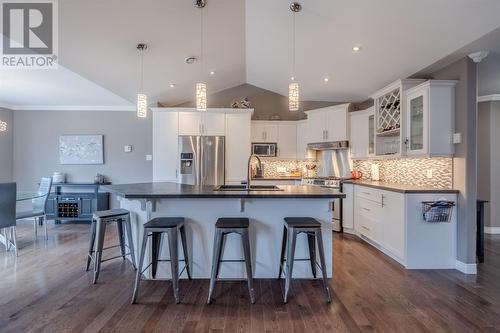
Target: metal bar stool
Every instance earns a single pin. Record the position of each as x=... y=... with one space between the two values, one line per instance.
x=223 y=227
x=294 y=226
x=97 y=232
x=155 y=228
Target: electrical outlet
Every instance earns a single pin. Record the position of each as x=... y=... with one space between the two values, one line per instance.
x=457 y=138
x=127 y=149
x=149 y=157
x=429 y=173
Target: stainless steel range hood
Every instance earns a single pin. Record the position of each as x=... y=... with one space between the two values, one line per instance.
x=333 y=159
x=333 y=145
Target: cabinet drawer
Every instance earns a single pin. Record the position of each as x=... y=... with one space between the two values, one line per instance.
x=369 y=193
x=369 y=208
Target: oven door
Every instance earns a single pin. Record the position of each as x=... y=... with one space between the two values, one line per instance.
x=337 y=215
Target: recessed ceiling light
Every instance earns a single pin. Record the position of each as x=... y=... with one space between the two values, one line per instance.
x=356 y=48
x=172 y=85
x=326 y=79
x=212 y=72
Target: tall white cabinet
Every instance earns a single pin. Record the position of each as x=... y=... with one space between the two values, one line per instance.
x=165 y=146
x=238 y=132
x=169 y=123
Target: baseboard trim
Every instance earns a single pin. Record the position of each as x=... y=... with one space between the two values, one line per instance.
x=492 y=230
x=466 y=268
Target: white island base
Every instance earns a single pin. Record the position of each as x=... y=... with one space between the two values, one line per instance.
x=266 y=232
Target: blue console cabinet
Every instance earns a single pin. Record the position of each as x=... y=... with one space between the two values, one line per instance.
x=74 y=205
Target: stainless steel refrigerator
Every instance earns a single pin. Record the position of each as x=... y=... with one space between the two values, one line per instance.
x=201 y=160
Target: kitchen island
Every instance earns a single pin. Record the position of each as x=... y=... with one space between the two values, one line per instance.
x=201 y=206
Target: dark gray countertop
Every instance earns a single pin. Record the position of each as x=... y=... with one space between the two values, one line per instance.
x=277 y=178
x=174 y=190
x=401 y=188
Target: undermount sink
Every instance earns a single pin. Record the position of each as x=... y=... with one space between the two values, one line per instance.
x=244 y=188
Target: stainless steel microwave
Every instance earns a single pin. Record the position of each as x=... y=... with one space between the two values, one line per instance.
x=265 y=149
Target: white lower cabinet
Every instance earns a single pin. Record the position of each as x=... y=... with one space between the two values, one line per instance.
x=393 y=222
x=379 y=216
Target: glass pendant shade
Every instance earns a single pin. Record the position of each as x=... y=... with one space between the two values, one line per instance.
x=3 y=126
x=201 y=97
x=293 y=96
x=142 y=106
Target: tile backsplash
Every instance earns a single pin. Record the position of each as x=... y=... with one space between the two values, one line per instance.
x=411 y=171
x=274 y=168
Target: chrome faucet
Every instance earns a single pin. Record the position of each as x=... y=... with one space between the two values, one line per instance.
x=249 y=176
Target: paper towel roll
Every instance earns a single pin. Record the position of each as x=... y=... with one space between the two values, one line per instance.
x=375 y=172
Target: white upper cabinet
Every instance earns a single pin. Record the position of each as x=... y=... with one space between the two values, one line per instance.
x=303 y=140
x=361 y=133
x=328 y=124
x=264 y=131
x=165 y=146
x=190 y=123
x=430 y=109
x=287 y=139
x=201 y=123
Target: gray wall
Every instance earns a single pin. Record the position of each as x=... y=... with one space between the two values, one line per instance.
x=488 y=74
x=464 y=162
x=36 y=141
x=6 y=146
x=488 y=162
x=266 y=103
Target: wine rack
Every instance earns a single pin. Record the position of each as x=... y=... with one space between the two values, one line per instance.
x=67 y=209
x=389 y=113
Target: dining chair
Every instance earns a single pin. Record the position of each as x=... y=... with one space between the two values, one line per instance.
x=8 y=215
x=37 y=211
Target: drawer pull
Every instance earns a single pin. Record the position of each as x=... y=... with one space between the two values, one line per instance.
x=367 y=209
x=367 y=193
x=366 y=228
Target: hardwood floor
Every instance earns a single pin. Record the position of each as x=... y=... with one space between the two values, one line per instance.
x=47 y=290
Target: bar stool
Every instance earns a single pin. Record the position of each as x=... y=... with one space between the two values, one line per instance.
x=294 y=226
x=223 y=227
x=155 y=228
x=98 y=230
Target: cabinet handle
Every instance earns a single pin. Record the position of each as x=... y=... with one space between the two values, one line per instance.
x=367 y=209
x=326 y=132
x=365 y=227
x=382 y=201
x=367 y=193
x=176 y=173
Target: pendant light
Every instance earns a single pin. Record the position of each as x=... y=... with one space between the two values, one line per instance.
x=293 y=87
x=201 y=87
x=3 y=126
x=142 y=98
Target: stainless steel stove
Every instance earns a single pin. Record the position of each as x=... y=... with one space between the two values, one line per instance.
x=324 y=182
x=333 y=183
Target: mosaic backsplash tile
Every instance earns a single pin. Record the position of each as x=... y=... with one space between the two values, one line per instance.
x=411 y=171
x=274 y=168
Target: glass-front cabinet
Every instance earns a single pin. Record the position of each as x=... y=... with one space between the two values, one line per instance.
x=416 y=142
x=430 y=113
x=371 y=134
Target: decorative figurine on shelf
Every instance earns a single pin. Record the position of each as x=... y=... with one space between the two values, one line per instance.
x=243 y=104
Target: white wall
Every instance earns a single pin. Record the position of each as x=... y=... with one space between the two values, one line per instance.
x=36 y=142
x=6 y=147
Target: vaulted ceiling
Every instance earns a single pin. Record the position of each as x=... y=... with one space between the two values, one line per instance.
x=245 y=42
